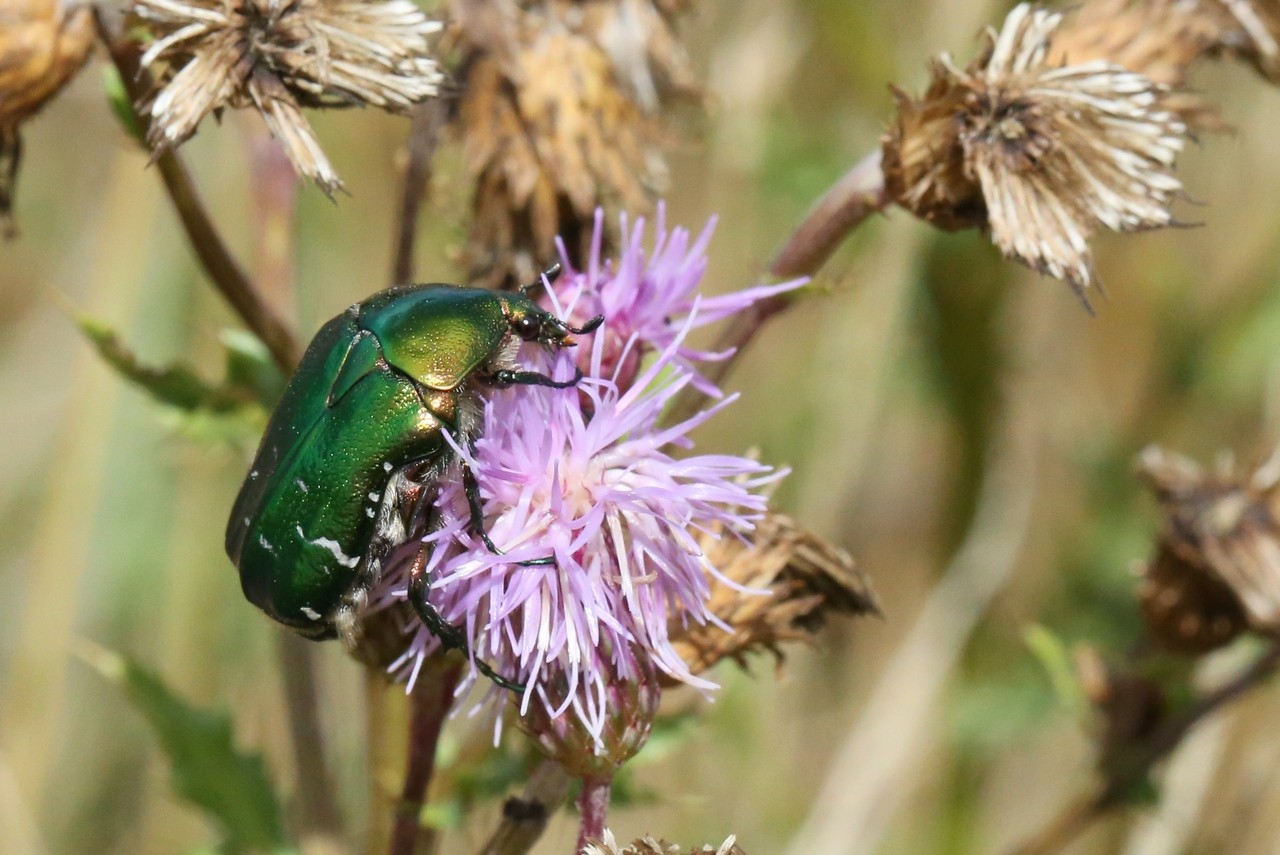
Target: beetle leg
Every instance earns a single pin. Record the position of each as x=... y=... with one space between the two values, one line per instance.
x=451 y=638
x=507 y=377
x=475 y=521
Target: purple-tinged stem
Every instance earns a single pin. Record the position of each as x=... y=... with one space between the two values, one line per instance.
x=593 y=810
x=424 y=135
x=274 y=214
x=429 y=706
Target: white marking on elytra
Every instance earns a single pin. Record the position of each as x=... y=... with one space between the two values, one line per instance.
x=370 y=513
x=253 y=474
x=266 y=544
x=373 y=497
x=387 y=467
x=334 y=548
x=301 y=485
x=310 y=614
x=246 y=521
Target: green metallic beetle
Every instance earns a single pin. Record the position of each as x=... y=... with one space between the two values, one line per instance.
x=351 y=455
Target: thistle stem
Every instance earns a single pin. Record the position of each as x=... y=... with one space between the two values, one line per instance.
x=429 y=706
x=223 y=270
x=317 y=803
x=424 y=135
x=593 y=810
x=525 y=818
x=856 y=196
x=846 y=205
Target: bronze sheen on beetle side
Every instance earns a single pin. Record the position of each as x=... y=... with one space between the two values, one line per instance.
x=348 y=464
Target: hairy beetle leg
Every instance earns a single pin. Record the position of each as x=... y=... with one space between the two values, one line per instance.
x=475 y=522
x=451 y=638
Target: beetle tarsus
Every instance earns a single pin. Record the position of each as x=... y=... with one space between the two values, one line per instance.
x=589 y=327
x=451 y=638
x=475 y=519
x=506 y=377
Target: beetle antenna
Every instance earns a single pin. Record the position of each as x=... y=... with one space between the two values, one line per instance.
x=551 y=274
x=589 y=327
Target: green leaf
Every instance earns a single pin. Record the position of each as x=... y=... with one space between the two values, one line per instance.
x=208 y=771
x=1054 y=657
x=121 y=105
x=250 y=366
x=174 y=385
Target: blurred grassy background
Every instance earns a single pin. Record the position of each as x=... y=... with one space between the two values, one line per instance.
x=933 y=368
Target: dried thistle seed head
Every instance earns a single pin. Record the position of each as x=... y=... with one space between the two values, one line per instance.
x=1040 y=154
x=650 y=846
x=42 y=46
x=807 y=577
x=280 y=56
x=558 y=118
x=1217 y=565
x=1162 y=39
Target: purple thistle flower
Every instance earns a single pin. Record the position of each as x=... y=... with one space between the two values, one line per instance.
x=618 y=513
x=647 y=297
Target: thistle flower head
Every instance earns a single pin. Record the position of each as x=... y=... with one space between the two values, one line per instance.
x=604 y=532
x=1043 y=155
x=616 y=511
x=647 y=296
x=280 y=56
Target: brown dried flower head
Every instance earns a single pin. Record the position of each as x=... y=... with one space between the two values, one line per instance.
x=42 y=46
x=1216 y=571
x=1041 y=154
x=557 y=119
x=280 y=56
x=808 y=579
x=650 y=846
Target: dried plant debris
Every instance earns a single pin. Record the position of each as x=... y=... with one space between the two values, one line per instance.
x=650 y=846
x=1039 y=153
x=279 y=56
x=1216 y=571
x=808 y=580
x=1129 y=708
x=1256 y=37
x=558 y=116
x=42 y=46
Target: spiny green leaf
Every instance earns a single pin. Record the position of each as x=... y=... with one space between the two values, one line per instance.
x=229 y=785
x=174 y=385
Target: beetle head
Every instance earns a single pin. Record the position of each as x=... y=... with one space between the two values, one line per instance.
x=532 y=323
